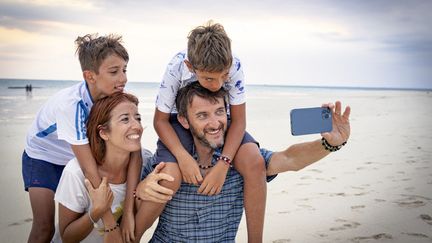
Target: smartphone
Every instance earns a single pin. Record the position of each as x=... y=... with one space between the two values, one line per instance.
x=310 y=120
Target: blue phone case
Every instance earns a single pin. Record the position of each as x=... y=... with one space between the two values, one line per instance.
x=310 y=120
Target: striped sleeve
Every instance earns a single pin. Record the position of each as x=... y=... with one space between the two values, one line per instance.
x=71 y=123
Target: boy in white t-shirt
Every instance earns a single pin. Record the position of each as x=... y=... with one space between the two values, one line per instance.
x=58 y=133
x=209 y=61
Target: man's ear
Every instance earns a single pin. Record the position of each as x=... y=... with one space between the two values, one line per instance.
x=189 y=66
x=183 y=121
x=89 y=76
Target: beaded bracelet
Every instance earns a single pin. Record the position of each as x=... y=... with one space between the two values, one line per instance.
x=205 y=167
x=225 y=159
x=112 y=229
x=95 y=225
x=330 y=147
x=135 y=196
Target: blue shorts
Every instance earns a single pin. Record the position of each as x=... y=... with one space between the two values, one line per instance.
x=185 y=136
x=39 y=173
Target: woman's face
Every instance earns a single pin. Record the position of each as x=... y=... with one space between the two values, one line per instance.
x=125 y=128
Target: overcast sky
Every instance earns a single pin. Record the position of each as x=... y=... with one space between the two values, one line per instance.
x=325 y=43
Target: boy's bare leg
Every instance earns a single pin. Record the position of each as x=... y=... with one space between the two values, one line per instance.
x=148 y=211
x=250 y=164
x=43 y=208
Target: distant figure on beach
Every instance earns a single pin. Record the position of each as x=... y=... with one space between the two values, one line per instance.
x=28 y=89
x=209 y=60
x=58 y=133
x=114 y=131
x=194 y=217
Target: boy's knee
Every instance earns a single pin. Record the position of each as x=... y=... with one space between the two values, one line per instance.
x=43 y=231
x=249 y=160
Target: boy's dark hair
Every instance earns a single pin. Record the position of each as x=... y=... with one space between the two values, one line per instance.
x=92 y=50
x=209 y=48
x=99 y=118
x=186 y=94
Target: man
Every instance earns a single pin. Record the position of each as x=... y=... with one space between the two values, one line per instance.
x=192 y=217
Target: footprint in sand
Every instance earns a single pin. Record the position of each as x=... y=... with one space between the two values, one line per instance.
x=308 y=207
x=21 y=222
x=409 y=189
x=283 y=212
x=302 y=184
x=412 y=201
x=346 y=224
x=373 y=237
x=417 y=235
x=380 y=200
x=281 y=241
x=315 y=170
x=411 y=161
x=426 y=218
x=357 y=207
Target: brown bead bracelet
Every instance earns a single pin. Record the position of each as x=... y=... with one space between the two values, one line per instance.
x=330 y=147
x=225 y=159
x=135 y=196
x=112 y=229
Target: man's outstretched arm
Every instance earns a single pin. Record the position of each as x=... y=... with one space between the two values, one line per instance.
x=300 y=155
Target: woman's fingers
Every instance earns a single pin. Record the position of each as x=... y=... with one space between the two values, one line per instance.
x=159 y=167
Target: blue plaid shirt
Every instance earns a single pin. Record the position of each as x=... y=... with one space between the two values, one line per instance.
x=191 y=217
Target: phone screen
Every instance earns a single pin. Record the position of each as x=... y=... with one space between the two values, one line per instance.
x=310 y=120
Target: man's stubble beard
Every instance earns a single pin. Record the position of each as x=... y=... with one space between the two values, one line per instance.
x=202 y=139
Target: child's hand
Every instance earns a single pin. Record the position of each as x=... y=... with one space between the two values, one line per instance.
x=214 y=180
x=101 y=197
x=189 y=169
x=127 y=227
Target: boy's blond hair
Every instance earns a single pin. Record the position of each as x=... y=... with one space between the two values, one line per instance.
x=92 y=50
x=209 y=48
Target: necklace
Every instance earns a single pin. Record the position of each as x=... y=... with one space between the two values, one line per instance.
x=204 y=167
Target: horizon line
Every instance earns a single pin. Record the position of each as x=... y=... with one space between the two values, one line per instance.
x=269 y=85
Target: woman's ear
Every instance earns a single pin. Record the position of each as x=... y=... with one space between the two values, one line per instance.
x=183 y=121
x=102 y=133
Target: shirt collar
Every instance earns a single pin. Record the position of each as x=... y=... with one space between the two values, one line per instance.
x=88 y=99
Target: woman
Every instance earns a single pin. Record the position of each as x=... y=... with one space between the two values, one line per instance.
x=114 y=130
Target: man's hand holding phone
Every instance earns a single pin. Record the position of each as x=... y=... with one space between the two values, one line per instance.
x=341 y=128
x=328 y=120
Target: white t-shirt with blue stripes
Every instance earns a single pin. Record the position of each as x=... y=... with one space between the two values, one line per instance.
x=58 y=124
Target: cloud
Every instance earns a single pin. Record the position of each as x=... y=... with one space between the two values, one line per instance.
x=40 y=17
x=368 y=39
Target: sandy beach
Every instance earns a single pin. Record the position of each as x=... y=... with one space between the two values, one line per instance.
x=378 y=188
